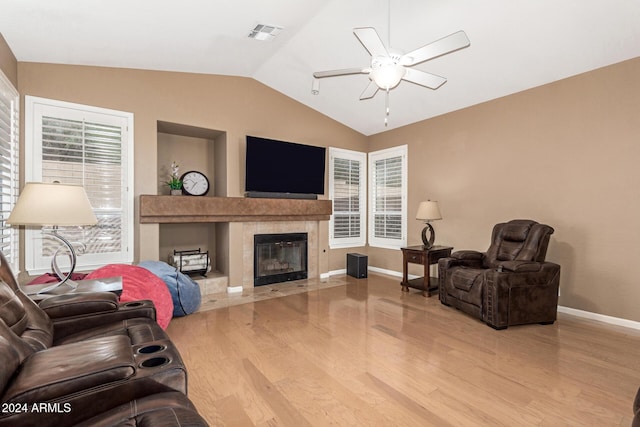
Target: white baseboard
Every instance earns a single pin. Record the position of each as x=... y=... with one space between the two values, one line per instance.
x=234 y=289
x=391 y=272
x=336 y=272
x=600 y=317
x=375 y=270
x=385 y=271
x=567 y=310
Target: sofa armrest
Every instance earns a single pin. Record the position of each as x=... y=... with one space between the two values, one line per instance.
x=543 y=269
x=71 y=305
x=468 y=255
x=65 y=326
x=52 y=374
x=467 y=258
x=520 y=266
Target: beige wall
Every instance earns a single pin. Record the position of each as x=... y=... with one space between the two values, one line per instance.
x=565 y=154
x=8 y=63
x=235 y=105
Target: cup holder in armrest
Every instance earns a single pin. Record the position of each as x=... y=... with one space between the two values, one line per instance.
x=154 y=362
x=153 y=348
x=133 y=304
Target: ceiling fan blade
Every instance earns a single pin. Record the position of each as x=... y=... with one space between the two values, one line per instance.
x=423 y=79
x=342 y=72
x=370 y=91
x=451 y=43
x=371 y=41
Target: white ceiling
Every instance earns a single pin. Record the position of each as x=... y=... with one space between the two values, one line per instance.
x=515 y=44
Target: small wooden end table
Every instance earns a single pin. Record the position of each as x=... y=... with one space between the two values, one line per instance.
x=426 y=257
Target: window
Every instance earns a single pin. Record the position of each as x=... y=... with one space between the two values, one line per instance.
x=347 y=172
x=388 y=198
x=93 y=147
x=9 y=158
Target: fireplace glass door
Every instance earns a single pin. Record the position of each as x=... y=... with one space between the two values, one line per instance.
x=279 y=258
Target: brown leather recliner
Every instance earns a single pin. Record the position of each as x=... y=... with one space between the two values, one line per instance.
x=510 y=283
x=73 y=317
x=101 y=379
x=163 y=409
x=83 y=350
x=636 y=411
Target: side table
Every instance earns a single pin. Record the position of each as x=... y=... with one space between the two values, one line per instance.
x=426 y=257
x=107 y=284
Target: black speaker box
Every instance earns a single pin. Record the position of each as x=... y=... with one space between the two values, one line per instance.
x=357 y=265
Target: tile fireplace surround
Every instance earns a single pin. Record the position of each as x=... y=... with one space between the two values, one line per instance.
x=259 y=216
x=252 y=228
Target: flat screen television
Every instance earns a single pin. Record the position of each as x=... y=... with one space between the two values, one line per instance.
x=282 y=167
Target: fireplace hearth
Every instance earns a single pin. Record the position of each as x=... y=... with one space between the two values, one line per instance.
x=279 y=258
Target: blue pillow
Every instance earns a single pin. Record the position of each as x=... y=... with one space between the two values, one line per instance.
x=185 y=292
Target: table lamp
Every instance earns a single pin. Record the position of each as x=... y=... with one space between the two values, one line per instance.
x=428 y=211
x=54 y=205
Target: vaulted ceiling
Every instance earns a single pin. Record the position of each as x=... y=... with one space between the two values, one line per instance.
x=515 y=44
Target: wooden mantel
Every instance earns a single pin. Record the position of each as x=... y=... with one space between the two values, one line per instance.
x=185 y=209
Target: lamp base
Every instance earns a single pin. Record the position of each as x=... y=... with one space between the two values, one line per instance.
x=54 y=286
x=427 y=243
x=64 y=278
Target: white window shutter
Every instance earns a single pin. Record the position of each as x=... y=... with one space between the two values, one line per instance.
x=9 y=167
x=388 y=197
x=347 y=177
x=92 y=147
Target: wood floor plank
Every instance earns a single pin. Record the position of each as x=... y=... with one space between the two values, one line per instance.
x=365 y=353
x=410 y=406
x=231 y=413
x=282 y=407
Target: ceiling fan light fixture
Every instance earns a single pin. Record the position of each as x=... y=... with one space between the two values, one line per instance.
x=387 y=76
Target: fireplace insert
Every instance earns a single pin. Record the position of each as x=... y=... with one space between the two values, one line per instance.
x=279 y=258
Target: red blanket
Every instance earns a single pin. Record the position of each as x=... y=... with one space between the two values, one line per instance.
x=139 y=283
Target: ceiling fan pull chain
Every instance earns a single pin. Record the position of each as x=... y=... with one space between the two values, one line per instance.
x=387 y=110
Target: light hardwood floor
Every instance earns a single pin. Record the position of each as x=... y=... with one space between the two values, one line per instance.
x=367 y=354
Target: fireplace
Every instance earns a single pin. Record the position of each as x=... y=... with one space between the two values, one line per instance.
x=279 y=258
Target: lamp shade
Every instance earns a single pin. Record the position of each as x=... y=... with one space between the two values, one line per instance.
x=52 y=204
x=428 y=211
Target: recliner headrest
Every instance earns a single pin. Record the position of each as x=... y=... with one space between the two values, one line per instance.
x=516 y=233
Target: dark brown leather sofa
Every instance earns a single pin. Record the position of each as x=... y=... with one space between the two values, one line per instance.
x=80 y=356
x=73 y=317
x=510 y=283
x=636 y=411
x=164 y=409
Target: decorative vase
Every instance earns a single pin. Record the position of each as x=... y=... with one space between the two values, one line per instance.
x=176 y=192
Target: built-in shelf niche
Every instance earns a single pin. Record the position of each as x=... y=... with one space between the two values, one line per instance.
x=193 y=148
x=203 y=150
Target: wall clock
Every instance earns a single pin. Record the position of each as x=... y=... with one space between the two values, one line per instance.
x=194 y=183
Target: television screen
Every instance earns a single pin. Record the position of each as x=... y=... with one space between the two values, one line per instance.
x=284 y=167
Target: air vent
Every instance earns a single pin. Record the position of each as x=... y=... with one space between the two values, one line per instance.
x=265 y=32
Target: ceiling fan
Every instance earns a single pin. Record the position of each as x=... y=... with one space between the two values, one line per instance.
x=389 y=66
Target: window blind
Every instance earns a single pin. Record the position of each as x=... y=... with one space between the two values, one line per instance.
x=9 y=161
x=347 y=191
x=346 y=201
x=388 y=197
x=87 y=154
